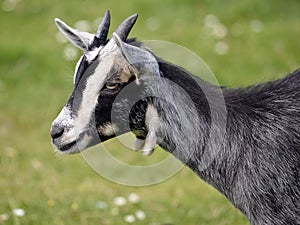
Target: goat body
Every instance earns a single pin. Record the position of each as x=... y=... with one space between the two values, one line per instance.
x=256 y=163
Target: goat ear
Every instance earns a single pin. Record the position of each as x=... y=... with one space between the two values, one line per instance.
x=79 y=38
x=140 y=58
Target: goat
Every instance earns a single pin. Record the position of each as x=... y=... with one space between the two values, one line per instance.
x=249 y=149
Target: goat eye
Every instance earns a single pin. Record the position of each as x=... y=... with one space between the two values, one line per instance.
x=112 y=86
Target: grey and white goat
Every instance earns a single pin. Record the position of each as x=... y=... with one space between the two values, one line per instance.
x=254 y=161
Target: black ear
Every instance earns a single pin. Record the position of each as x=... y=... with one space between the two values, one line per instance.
x=79 y=38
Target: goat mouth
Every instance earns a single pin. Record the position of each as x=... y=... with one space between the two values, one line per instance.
x=71 y=147
x=68 y=146
x=84 y=140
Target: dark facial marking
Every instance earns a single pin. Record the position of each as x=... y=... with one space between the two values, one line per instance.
x=85 y=70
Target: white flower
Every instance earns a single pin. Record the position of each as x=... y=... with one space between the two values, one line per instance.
x=101 y=205
x=129 y=218
x=140 y=215
x=215 y=27
x=210 y=21
x=219 y=31
x=133 y=198
x=120 y=201
x=19 y=212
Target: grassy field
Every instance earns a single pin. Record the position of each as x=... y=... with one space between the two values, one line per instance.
x=249 y=41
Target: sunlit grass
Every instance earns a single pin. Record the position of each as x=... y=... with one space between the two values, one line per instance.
x=35 y=81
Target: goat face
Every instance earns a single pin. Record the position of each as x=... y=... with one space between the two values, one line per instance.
x=106 y=67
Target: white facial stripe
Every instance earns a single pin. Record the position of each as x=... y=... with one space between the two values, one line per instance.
x=93 y=85
x=90 y=56
x=90 y=95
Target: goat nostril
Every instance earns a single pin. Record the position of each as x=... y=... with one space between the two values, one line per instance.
x=56 y=131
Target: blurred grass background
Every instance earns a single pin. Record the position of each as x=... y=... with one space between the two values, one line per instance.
x=243 y=42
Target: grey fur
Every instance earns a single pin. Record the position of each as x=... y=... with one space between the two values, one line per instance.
x=256 y=164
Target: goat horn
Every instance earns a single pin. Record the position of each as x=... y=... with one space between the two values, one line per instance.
x=124 y=29
x=102 y=32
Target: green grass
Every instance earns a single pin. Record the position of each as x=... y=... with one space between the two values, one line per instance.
x=35 y=82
